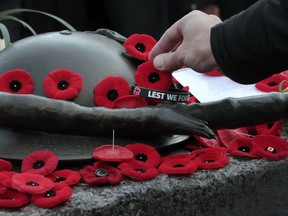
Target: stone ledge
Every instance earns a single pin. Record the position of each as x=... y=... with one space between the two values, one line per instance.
x=249 y=187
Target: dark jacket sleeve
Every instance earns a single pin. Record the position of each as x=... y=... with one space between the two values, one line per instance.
x=253 y=44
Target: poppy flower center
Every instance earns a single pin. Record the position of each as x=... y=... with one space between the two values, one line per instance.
x=59 y=179
x=244 y=149
x=141 y=157
x=271 y=149
x=272 y=83
x=112 y=95
x=153 y=77
x=178 y=166
x=32 y=183
x=140 y=47
x=101 y=172
x=140 y=170
x=38 y=164
x=209 y=161
x=50 y=193
x=62 y=85
x=15 y=85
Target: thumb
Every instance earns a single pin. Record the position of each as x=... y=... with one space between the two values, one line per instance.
x=167 y=62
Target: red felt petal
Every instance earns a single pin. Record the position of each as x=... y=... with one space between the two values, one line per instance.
x=139 y=45
x=211 y=150
x=242 y=146
x=31 y=183
x=40 y=162
x=100 y=173
x=227 y=135
x=68 y=91
x=138 y=170
x=214 y=73
x=273 y=128
x=270 y=147
x=145 y=153
x=130 y=101
x=177 y=156
x=58 y=194
x=5 y=178
x=13 y=199
x=5 y=165
x=148 y=76
x=109 y=89
x=112 y=154
x=176 y=166
x=271 y=84
x=21 y=78
x=70 y=177
x=209 y=142
x=3 y=189
x=212 y=161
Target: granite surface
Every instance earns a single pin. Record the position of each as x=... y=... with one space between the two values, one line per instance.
x=243 y=187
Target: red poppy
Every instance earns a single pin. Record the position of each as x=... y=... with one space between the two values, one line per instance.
x=138 y=170
x=214 y=73
x=149 y=77
x=270 y=147
x=6 y=178
x=174 y=166
x=62 y=84
x=40 y=162
x=58 y=194
x=13 y=199
x=112 y=153
x=130 y=101
x=139 y=45
x=227 y=135
x=110 y=89
x=145 y=153
x=212 y=160
x=5 y=165
x=17 y=81
x=242 y=146
x=209 y=142
x=271 y=84
x=70 y=177
x=31 y=183
x=273 y=128
x=100 y=173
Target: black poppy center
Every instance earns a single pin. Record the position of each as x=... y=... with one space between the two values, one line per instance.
x=32 y=183
x=38 y=164
x=112 y=94
x=209 y=161
x=15 y=85
x=50 y=193
x=153 y=77
x=140 y=170
x=244 y=149
x=271 y=149
x=141 y=157
x=178 y=166
x=60 y=179
x=101 y=172
x=272 y=83
x=62 y=85
x=140 y=47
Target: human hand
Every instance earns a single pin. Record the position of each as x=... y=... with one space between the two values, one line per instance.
x=186 y=43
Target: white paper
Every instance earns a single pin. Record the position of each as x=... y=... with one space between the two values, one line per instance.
x=211 y=88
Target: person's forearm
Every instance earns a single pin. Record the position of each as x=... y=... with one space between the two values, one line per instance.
x=253 y=44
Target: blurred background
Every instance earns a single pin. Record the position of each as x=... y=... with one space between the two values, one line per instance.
x=126 y=17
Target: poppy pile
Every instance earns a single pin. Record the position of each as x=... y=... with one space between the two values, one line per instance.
x=39 y=182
